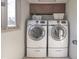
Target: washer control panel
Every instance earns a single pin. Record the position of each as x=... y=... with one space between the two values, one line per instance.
x=37 y=22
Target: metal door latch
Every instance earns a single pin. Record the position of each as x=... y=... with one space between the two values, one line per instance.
x=74 y=42
x=3 y=4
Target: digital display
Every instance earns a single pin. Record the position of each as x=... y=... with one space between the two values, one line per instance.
x=63 y=22
x=42 y=21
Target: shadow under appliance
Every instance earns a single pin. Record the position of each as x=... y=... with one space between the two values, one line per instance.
x=36 y=38
x=57 y=38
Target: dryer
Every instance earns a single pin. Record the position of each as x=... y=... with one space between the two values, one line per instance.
x=36 y=38
x=57 y=38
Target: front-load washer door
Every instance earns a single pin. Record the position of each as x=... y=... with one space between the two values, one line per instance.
x=58 y=32
x=36 y=33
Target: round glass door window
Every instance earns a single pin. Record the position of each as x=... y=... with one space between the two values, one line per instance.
x=36 y=33
x=58 y=32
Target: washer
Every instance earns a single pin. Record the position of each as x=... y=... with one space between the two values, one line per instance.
x=57 y=38
x=36 y=38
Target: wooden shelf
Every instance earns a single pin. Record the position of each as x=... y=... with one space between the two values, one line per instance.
x=47 y=8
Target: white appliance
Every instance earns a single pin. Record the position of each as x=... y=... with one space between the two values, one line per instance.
x=36 y=38
x=57 y=38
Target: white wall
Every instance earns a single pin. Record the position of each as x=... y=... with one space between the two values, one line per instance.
x=71 y=9
x=12 y=43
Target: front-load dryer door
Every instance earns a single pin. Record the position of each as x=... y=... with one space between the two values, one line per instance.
x=36 y=33
x=58 y=32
